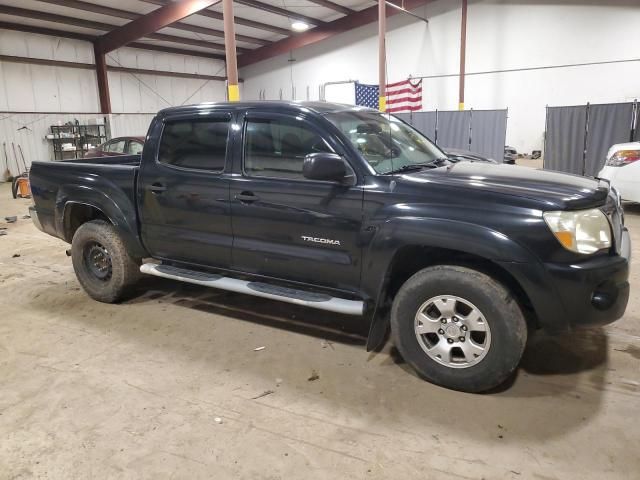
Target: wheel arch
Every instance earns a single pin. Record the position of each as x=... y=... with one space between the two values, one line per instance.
x=424 y=242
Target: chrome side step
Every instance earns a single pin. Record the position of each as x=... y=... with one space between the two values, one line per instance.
x=257 y=289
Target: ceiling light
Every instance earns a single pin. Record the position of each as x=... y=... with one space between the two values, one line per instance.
x=298 y=26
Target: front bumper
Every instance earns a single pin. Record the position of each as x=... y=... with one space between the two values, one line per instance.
x=568 y=296
x=594 y=292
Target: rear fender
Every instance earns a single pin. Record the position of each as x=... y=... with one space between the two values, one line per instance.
x=117 y=207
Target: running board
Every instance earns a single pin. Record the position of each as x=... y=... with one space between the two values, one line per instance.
x=257 y=289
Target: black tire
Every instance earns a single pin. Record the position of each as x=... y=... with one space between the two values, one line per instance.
x=506 y=324
x=14 y=187
x=114 y=283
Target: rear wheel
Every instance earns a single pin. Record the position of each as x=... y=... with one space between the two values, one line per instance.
x=458 y=328
x=101 y=262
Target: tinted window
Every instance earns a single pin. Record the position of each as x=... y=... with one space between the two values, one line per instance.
x=116 y=146
x=199 y=144
x=276 y=148
x=134 y=148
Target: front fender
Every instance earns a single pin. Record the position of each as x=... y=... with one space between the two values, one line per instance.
x=397 y=233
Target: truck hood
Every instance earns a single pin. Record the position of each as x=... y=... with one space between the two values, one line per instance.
x=550 y=190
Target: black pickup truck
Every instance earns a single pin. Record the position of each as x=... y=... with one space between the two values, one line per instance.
x=348 y=210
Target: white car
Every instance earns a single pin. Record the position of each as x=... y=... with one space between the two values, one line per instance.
x=623 y=170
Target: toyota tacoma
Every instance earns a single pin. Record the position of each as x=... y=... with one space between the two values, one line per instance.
x=352 y=211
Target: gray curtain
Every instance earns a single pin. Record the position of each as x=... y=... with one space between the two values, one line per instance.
x=608 y=124
x=489 y=132
x=453 y=129
x=564 y=141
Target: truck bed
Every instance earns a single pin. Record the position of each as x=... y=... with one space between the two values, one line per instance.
x=108 y=184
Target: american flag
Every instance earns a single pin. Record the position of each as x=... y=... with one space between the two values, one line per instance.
x=405 y=96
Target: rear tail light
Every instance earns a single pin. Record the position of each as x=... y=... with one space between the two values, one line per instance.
x=623 y=157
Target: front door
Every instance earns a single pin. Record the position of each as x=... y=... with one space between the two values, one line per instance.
x=284 y=225
x=184 y=193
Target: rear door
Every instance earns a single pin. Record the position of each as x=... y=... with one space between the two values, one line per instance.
x=286 y=226
x=184 y=191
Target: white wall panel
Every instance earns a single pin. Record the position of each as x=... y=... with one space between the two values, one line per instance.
x=135 y=98
x=501 y=35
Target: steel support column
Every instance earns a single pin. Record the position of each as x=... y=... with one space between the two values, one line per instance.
x=463 y=52
x=230 y=49
x=382 y=55
x=103 y=81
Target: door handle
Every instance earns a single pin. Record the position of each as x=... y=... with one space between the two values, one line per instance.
x=247 y=197
x=157 y=188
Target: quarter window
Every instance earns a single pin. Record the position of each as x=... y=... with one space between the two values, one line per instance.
x=197 y=144
x=117 y=146
x=276 y=148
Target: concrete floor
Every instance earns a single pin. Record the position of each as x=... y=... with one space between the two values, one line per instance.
x=168 y=385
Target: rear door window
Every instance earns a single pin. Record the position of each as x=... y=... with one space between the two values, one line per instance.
x=195 y=144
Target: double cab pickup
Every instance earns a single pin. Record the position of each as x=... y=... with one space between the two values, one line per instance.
x=351 y=211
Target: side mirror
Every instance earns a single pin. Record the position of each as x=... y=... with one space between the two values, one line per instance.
x=324 y=166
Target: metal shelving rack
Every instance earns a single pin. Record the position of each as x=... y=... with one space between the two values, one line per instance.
x=74 y=140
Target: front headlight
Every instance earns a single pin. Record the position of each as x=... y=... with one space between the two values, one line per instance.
x=582 y=231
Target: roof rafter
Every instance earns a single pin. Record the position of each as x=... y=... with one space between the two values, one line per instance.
x=116 y=12
x=104 y=27
x=150 y=23
x=333 y=6
x=239 y=20
x=19 y=27
x=317 y=34
x=280 y=11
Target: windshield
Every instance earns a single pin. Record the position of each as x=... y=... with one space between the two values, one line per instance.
x=386 y=143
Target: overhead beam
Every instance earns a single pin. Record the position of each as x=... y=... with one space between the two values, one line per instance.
x=280 y=11
x=150 y=23
x=116 y=12
x=239 y=20
x=104 y=27
x=318 y=34
x=333 y=6
x=19 y=27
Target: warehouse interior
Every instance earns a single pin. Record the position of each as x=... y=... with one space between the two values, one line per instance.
x=183 y=381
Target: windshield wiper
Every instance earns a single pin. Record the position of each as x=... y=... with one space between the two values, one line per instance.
x=436 y=162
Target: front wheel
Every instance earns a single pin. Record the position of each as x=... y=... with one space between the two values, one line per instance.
x=101 y=262
x=458 y=328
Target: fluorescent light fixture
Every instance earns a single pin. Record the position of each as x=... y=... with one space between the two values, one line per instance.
x=299 y=26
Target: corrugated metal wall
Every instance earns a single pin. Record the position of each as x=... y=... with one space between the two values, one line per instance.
x=45 y=92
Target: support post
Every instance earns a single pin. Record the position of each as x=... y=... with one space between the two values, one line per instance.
x=463 y=51
x=382 y=56
x=103 y=81
x=230 y=51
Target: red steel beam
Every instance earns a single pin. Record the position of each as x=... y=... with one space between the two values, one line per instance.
x=103 y=80
x=19 y=27
x=104 y=27
x=116 y=12
x=150 y=23
x=333 y=6
x=280 y=11
x=463 y=54
x=317 y=34
x=239 y=20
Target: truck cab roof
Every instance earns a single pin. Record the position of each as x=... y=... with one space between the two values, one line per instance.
x=319 y=108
